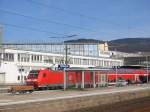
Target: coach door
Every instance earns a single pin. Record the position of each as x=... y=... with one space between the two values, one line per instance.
x=103 y=79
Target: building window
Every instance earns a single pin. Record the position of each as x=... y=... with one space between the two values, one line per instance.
x=21 y=70
x=85 y=61
x=36 y=58
x=25 y=77
x=40 y=58
x=48 y=59
x=58 y=60
x=77 y=61
x=23 y=57
x=70 y=61
x=18 y=77
x=32 y=57
x=18 y=57
x=8 y=57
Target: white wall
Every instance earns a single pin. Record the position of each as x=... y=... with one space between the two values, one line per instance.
x=11 y=72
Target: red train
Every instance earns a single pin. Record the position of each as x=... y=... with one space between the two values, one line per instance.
x=55 y=78
x=50 y=78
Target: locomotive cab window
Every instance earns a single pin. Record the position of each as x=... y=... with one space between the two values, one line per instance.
x=34 y=73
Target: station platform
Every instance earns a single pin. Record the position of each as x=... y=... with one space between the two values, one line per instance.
x=51 y=95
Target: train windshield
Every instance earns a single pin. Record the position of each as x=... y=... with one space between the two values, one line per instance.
x=34 y=73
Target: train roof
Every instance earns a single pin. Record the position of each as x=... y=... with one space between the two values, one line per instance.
x=86 y=69
x=109 y=70
x=132 y=67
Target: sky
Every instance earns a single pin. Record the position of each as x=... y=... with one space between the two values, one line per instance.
x=56 y=20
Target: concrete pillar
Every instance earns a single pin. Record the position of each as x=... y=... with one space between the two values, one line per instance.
x=73 y=61
x=82 y=85
x=16 y=57
x=30 y=56
x=77 y=80
x=65 y=79
x=103 y=63
x=135 y=77
x=54 y=60
x=94 y=85
x=42 y=59
x=30 y=68
x=99 y=78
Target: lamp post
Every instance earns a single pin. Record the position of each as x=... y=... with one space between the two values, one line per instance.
x=147 y=69
x=1 y=46
x=116 y=75
x=1 y=55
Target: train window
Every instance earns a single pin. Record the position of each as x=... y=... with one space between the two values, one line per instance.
x=91 y=76
x=44 y=75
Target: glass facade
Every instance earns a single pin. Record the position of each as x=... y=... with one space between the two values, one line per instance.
x=73 y=49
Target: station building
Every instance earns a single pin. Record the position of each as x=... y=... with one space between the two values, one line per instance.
x=142 y=59
x=18 y=59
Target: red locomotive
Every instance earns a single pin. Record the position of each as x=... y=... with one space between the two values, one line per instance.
x=55 y=78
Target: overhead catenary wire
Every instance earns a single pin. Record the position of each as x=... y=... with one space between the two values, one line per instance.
x=69 y=12
x=45 y=20
x=54 y=22
x=30 y=28
x=78 y=14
